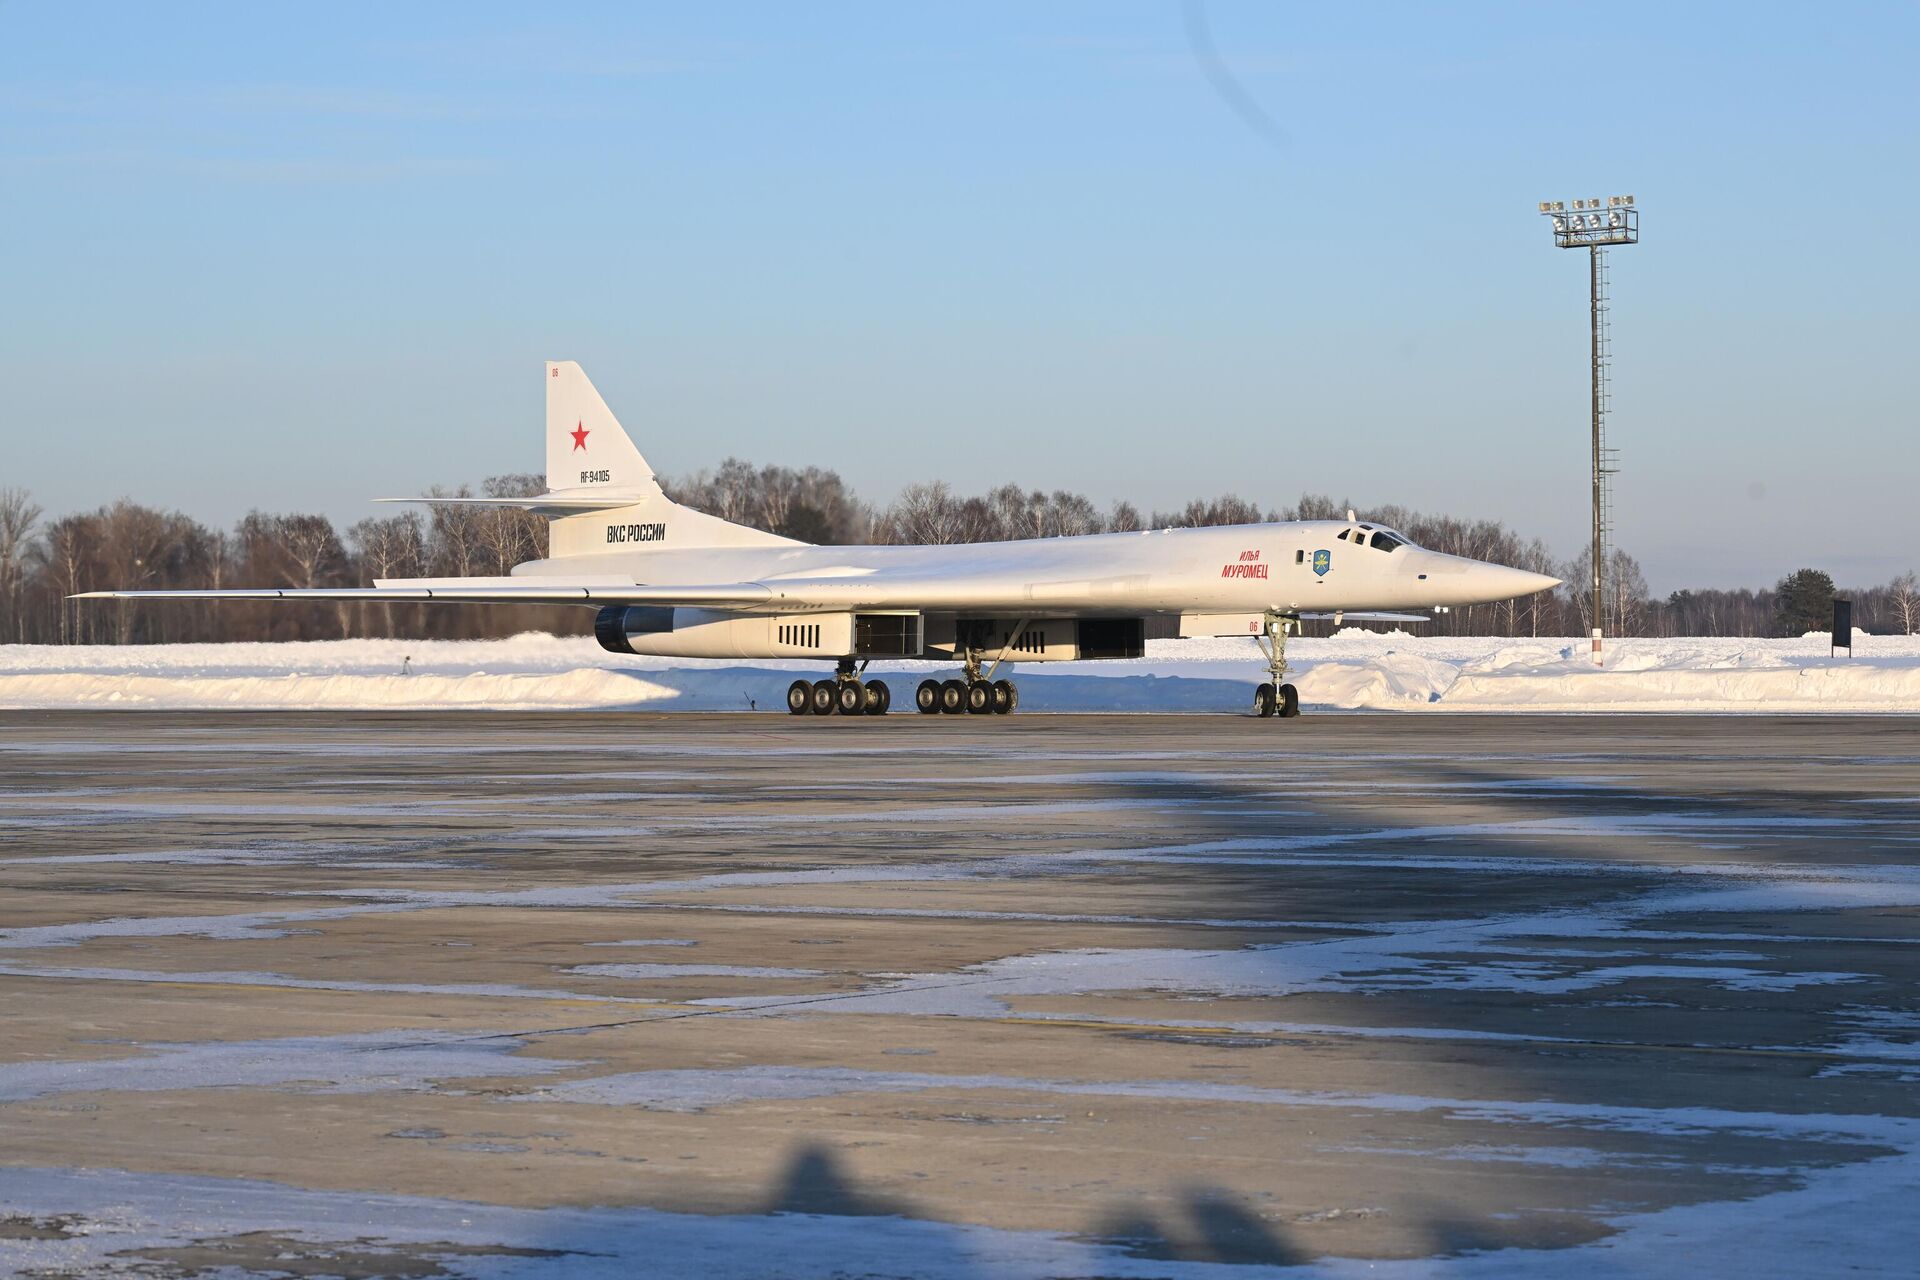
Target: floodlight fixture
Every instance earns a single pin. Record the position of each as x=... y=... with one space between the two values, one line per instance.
x=1587 y=228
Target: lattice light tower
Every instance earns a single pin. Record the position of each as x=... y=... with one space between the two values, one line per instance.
x=1596 y=226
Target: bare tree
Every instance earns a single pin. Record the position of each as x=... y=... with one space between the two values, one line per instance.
x=1626 y=594
x=730 y=492
x=310 y=548
x=824 y=511
x=210 y=557
x=296 y=551
x=1577 y=573
x=1541 y=605
x=455 y=543
x=1904 y=596
x=509 y=535
x=925 y=513
x=1200 y=514
x=1069 y=515
x=18 y=516
x=1314 y=506
x=812 y=504
x=65 y=558
x=779 y=492
x=139 y=548
x=393 y=547
x=1012 y=512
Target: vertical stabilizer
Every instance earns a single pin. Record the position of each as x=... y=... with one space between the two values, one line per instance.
x=586 y=447
x=588 y=455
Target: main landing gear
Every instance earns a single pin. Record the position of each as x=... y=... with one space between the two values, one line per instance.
x=969 y=697
x=975 y=696
x=1275 y=698
x=846 y=695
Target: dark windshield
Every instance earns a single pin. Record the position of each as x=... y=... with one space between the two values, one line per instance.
x=1386 y=541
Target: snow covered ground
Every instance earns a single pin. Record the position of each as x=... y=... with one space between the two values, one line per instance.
x=1353 y=670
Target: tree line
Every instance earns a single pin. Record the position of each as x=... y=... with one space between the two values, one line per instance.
x=128 y=545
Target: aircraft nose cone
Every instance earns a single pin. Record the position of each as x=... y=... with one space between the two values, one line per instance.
x=1461 y=580
x=1503 y=583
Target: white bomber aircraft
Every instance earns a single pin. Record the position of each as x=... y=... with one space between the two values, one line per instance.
x=674 y=582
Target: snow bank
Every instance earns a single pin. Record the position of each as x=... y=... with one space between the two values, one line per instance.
x=1353 y=670
x=558 y=691
x=1639 y=675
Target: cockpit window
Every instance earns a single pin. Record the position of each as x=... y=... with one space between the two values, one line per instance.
x=1385 y=541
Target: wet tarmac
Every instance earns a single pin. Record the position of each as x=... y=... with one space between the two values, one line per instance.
x=543 y=995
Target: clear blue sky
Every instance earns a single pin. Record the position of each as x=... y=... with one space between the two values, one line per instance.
x=294 y=257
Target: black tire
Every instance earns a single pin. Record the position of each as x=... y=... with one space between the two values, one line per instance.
x=799 y=698
x=824 y=699
x=1263 y=701
x=850 y=698
x=953 y=697
x=1005 y=697
x=1289 y=701
x=879 y=697
x=979 y=698
x=927 y=697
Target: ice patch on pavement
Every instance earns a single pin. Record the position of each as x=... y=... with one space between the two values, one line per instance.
x=366 y=1063
x=677 y=1089
x=692 y=971
x=249 y=978
x=1432 y=959
x=1498 y=953
x=647 y=942
x=248 y=924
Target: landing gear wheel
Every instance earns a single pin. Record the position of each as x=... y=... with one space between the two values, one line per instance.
x=953 y=697
x=1005 y=697
x=824 y=697
x=979 y=698
x=850 y=699
x=799 y=698
x=1289 y=701
x=1263 y=701
x=879 y=697
x=927 y=697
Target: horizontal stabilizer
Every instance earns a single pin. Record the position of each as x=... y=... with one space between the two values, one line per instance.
x=545 y=504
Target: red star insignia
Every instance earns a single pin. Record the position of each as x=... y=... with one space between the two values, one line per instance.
x=579 y=434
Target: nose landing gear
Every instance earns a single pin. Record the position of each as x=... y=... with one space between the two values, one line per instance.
x=1275 y=698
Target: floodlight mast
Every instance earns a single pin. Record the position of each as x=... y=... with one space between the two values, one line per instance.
x=1587 y=226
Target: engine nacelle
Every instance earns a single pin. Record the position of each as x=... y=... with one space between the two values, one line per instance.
x=614 y=624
